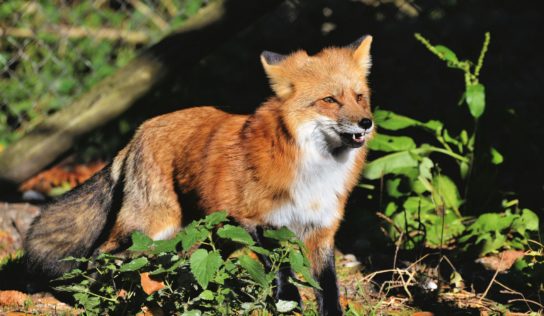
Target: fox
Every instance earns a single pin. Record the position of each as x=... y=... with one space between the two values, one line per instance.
x=291 y=163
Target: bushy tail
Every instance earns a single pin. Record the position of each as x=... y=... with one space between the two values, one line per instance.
x=70 y=226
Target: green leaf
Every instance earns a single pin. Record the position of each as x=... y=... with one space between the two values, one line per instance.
x=260 y=250
x=388 y=143
x=476 y=99
x=433 y=125
x=530 y=219
x=140 y=242
x=493 y=244
x=296 y=259
x=496 y=157
x=392 y=187
x=390 y=209
x=193 y=312
x=446 y=190
x=206 y=295
x=169 y=245
x=282 y=234
x=447 y=53
x=204 y=265
x=237 y=234
x=414 y=204
x=392 y=121
x=191 y=235
x=464 y=137
x=463 y=169
x=425 y=168
x=134 y=265
x=491 y=222
x=286 y=306
x=388 y=164
x=215 y=218
x=255 y=269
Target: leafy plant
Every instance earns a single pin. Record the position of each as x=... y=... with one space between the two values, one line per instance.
x=494 y=231
x=424 y=205
x=52 y=51
x=189 y=274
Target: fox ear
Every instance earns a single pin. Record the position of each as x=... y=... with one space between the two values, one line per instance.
x=274 y=70
x=361 y=52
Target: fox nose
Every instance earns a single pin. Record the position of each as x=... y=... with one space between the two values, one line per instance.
x=365 y=123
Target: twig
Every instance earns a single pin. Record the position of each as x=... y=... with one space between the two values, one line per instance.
x=389 y=221
x=399 y=241
x=511 y=291
x=170 y=7
x=145 y=10
x=491 y=282
x=449 y=262
x=526 y=301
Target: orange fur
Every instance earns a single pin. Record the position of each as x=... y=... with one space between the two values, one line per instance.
x=261 y=168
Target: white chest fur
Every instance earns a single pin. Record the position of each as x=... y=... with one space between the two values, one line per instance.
x=319 y=181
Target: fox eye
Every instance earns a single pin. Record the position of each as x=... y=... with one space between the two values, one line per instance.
x=359 y=97
x=329 y=100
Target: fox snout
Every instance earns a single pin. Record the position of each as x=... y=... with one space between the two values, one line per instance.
x=354 y=134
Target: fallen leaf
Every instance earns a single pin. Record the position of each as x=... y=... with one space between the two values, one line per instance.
x=12 y=298
x=502 y=261
x=149 y=285
x=422 y=314
x=122 y=293
x=344 y=301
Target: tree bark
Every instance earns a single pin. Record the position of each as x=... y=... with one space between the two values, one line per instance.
x=198 y=37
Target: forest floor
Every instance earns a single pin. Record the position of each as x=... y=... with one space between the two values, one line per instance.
x=398 y=291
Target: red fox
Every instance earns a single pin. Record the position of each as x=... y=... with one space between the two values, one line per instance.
x=292 y=163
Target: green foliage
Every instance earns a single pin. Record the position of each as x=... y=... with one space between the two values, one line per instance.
x=474 y=91
x=496 y=231
x=43 y=69
x=424 y=204
x=195 y=278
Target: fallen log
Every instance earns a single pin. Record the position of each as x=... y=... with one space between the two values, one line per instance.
x=198 y=37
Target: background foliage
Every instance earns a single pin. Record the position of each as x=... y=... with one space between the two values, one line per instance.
x=52 y=51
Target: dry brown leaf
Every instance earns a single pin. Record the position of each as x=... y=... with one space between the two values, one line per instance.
x=122 y=293
x=502 y=261
x=149 y=285
x=344 y=301
x=12 y=298
x=422 y=314
x=74 y=174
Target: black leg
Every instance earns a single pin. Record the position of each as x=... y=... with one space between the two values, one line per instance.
x=328 y=298
x=285 y=290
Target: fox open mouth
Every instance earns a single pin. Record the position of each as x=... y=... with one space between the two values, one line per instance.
x=353 y=140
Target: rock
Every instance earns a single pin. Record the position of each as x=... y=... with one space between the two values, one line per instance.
x=15 y=219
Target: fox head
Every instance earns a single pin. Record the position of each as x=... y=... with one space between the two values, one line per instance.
x=326 y=96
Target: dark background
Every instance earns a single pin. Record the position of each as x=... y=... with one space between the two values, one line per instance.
x=405 y=78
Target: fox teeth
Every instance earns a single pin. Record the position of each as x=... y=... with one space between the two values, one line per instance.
x=357 y=137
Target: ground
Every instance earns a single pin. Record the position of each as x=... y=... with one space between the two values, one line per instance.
x=385 y=292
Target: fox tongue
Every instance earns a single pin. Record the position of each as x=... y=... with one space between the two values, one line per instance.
x=358 y=138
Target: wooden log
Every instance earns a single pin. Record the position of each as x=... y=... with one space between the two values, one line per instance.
x=198 y=37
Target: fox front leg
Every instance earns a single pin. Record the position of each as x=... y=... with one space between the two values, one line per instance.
x=320 y=246
x=284 y=290
x=328 y=298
